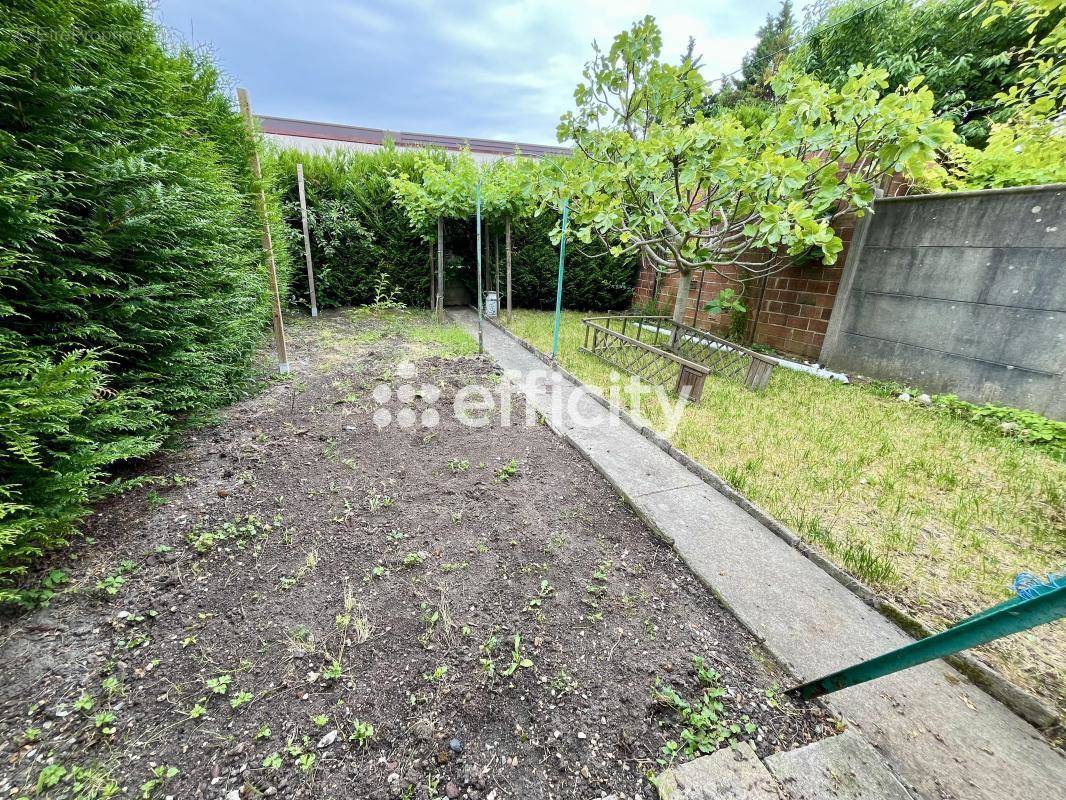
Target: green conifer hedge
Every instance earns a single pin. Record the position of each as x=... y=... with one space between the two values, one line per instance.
x=132 y=293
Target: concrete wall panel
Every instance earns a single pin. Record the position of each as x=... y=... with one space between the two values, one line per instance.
x=962 y=293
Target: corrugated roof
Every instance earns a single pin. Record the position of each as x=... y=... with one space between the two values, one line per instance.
x=282 y=126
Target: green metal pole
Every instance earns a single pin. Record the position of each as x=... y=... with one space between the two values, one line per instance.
x=559 y=282
x=480 y=337
x=999 y=621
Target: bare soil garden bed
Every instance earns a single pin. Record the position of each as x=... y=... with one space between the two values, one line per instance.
x=303 y=605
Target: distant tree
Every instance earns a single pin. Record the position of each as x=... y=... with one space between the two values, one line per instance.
x=965 y=62
x=758 y=66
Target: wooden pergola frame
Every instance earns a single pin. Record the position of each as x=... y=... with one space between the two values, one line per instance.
x=436 y=271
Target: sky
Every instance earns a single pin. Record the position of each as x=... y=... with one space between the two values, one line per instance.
x=499 y=69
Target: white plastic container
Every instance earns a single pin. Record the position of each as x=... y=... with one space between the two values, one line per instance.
x=492 y=304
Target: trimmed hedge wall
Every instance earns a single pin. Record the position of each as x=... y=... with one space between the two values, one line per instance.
x=358 y=232
x=132 y=293
x=591 y=281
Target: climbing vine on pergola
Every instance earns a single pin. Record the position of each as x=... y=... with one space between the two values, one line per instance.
x=448 y=189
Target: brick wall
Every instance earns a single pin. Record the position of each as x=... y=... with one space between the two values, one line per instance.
x=796 y=303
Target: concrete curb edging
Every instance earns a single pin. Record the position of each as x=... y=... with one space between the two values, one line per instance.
x=1024 y=704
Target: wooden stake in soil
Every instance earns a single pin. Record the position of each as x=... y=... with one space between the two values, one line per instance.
x=507 y=258
x=480 y=298
x=268 y=242
x=307 y=240
x=440 y=269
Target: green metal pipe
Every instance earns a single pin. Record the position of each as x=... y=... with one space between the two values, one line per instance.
x=559 y=282
x=480 y=311
x=1014 y=601
x=995 y=623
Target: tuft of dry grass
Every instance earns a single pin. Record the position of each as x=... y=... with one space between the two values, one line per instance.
x=936 y=513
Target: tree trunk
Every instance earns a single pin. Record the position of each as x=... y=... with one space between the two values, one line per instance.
x=684 y=288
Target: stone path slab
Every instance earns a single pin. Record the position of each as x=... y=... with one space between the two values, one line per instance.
x=944 y=737
x=842 y=767
x=734 y=773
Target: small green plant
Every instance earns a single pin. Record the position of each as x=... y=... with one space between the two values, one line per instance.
x=32 y=599
x=320 y=720
x=488 y=660
x=506 y=472
x=456 y=465
x=105 y=722
x=31 y=734
x=772 y=696
x=198 y=709
x=545 y=591
x=111 y=584
x=415 y=559
x=161 y=775
x=263 y=732
x=671 y=750
x=374 y=501
x=238 y=533
x=82 y=783
x=562 y=684
x=430 y=618
x=385 y=294
x=728 y=301
x=362 y=733
x=219 y=685
x=333 y=670
x=240 y=699
x=287 y=582
x=1026 y=426
x=437 y=675
x=155 y=500
x=601 y=573
x=517 y=659
x=705 y=727
x=556 y=542
x=84 y=703
x=49 y=777
x=306 y=762
x=272 y=761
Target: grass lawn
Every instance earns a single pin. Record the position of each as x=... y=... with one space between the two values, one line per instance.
x=938 y=514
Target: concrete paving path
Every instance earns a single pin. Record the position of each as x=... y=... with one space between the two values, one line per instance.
x=943 y=736
x=842 y=767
